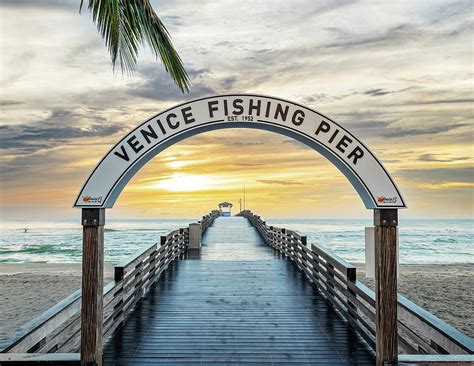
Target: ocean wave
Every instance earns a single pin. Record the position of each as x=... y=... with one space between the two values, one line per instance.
x=449 y=242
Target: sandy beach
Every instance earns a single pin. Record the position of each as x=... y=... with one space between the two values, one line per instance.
x=443 y=289
x=29 y=289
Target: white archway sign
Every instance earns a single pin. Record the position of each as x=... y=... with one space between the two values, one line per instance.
x=366 y=174
x=344 y=150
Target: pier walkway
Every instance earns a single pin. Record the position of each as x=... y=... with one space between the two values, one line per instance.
x=240 y=303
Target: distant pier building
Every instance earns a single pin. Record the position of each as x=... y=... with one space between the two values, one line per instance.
x=225 y=208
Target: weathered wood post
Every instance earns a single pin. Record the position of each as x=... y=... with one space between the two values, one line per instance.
x=194 y=247
x=93 y=220
x=385 y=222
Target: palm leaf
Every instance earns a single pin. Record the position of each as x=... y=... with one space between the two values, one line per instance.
x=126 y=25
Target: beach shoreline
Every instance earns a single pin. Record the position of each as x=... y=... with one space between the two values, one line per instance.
x=445 y=290
x=29 y=289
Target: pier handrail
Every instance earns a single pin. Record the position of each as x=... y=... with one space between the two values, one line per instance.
x=207 y=220
x=57 y=330
x=420 y=332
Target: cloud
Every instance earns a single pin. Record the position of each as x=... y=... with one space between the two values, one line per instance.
x=60 y=127
x=171 y=20
x=52 y=4
x=229 y=82
x=395 y=35
x=372 y=92
x=442 y=101
x=439 y=175
x=323 y=8
x=358 y=59
x=401 y=34
x=439 y=158
x=280 y=182
x=390 y=129
x=7 y=103
x=157 y=85
x=401 y=131
x=377 y=92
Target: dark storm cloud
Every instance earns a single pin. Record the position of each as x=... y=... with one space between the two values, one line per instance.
x=280 y=182
x=62 y=126
x=157 y=85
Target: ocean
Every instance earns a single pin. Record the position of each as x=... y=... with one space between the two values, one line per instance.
x=421 y=241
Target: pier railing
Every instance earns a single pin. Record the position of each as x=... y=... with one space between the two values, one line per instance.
x=420 y=332
x=57 y=330
x=207 y=220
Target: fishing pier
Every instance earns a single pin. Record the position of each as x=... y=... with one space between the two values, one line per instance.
x=231 y=290
x=256 y=294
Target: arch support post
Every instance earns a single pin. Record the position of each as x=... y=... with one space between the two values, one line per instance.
x=93 y=220
x=386 y=222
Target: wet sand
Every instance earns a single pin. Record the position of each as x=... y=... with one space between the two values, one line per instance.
x=27 y=290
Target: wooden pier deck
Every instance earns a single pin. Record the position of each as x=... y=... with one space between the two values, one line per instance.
x=240 y=303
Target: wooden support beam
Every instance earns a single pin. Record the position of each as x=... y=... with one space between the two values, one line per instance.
x=386 y=222
x=39 y=359
x=93 y=220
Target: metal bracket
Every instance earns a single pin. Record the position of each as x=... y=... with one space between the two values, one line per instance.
x=386 y=217
x=93 y=217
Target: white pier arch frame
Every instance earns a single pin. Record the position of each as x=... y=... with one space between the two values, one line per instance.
x=366 y=174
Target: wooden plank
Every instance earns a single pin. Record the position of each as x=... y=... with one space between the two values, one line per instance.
x=127 y=266
x=19 y=359
x=56 y=341
x=367 y=294
x=200 y=313
x=431 y=326
x=341 y=264
x=32 y=332
x=444 y=360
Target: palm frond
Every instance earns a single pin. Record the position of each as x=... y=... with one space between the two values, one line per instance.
x=125 y=25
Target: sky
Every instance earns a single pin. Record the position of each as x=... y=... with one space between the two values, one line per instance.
x=398 y=75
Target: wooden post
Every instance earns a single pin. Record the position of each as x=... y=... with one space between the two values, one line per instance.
x=93 y=220
x=386 y=222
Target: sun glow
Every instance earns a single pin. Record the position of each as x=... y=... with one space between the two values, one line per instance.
x=183 y=183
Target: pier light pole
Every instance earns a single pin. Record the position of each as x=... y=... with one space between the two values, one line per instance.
x=93 y=220
x=386 y=222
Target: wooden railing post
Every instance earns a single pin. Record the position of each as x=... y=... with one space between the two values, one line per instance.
x=93 y=220
x=194 y=246
x=386 y=222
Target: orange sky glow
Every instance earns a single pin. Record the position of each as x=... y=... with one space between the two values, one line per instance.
x=397 y=75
